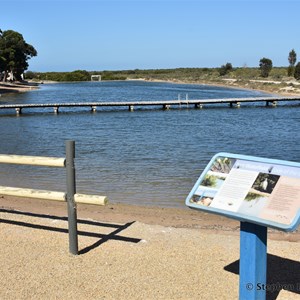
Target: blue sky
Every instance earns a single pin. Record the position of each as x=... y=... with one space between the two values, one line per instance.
x=118 y=35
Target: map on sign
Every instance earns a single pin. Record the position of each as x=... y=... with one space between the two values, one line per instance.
x=264 y=191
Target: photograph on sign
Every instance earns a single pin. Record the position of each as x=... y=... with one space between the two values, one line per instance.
x=249 y=188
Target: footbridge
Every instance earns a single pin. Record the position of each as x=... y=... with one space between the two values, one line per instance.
x=165 y=104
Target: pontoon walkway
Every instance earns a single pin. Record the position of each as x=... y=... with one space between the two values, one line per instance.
x=166 y=104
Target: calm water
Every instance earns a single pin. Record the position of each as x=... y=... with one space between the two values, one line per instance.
x=148 y=156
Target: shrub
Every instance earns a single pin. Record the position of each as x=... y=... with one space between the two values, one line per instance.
x=297 y=71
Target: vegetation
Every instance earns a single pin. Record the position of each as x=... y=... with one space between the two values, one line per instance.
x=265 y=65
x=225 y=69
x=209 y=180
x=14 y=54
x=252 y=196
x=222 y=165
x=196 y=75
x=292 y=60
x=297 y=71
x=78 y=75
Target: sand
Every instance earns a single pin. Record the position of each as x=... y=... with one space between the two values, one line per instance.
x=131 y=252
x=6 y=87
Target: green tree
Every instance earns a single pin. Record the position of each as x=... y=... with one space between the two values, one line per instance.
x=265 y=66
x=225 y=69
x=15 y=53
x=2 y=59
x=292 y=57
x=292 y=60
x=297 y=71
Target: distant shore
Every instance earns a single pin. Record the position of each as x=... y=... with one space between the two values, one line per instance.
x=266 y=86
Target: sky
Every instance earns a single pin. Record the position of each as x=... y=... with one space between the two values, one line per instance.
x=97 y=35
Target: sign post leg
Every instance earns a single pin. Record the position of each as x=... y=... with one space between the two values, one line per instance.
x=253 y=261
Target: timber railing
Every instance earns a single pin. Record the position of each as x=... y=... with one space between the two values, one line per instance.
x=71 y=197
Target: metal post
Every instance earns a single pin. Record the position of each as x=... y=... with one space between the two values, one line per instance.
x=253 y=261
x=71 y=191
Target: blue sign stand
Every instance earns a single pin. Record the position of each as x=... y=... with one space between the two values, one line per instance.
x=244 y=188
x=253 y=261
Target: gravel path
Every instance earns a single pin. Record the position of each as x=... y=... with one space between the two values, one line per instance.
x=129 y=260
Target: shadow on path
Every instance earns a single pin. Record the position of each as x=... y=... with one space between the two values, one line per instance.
x=103 y=237
x=282 y=274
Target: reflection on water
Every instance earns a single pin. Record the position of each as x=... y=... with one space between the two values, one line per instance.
x=146 y=156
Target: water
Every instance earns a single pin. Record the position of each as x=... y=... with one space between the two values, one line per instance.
x=149 y=156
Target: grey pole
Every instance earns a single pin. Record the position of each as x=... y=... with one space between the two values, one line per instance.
x=71 y=191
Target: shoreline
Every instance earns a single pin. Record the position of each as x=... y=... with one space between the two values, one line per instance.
x=228 y=84
x=6 y=88
x=180 y=218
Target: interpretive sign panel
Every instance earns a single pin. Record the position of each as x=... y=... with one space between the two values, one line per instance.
x=252 y=189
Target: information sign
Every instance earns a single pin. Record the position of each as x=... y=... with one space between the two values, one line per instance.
x=250 y=189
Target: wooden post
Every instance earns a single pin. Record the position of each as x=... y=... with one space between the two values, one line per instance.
x=253 y=261
x=71 y=191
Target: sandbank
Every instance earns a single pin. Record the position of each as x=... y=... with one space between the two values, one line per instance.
x=265 y=86
x=16 y=87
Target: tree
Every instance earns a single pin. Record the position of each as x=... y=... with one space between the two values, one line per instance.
x=225 y=69
x=292 y=57
x=292 y=60
x=15 y=53
x=297 y=71
x=2 y=59
x=265 y=65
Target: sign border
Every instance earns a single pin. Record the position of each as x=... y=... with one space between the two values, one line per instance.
x=236 y=215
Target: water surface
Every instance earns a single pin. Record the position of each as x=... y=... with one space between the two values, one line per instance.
x=148 y=156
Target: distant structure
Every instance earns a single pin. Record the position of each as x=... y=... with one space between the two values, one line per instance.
x=96 y=78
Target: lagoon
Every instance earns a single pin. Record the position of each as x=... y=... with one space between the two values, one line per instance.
x=148 y=156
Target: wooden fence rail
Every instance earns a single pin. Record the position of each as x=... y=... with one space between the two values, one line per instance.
x=71 y=197
x=33 y=160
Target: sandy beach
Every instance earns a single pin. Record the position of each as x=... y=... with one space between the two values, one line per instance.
x=6 y=87
x=131 y=252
